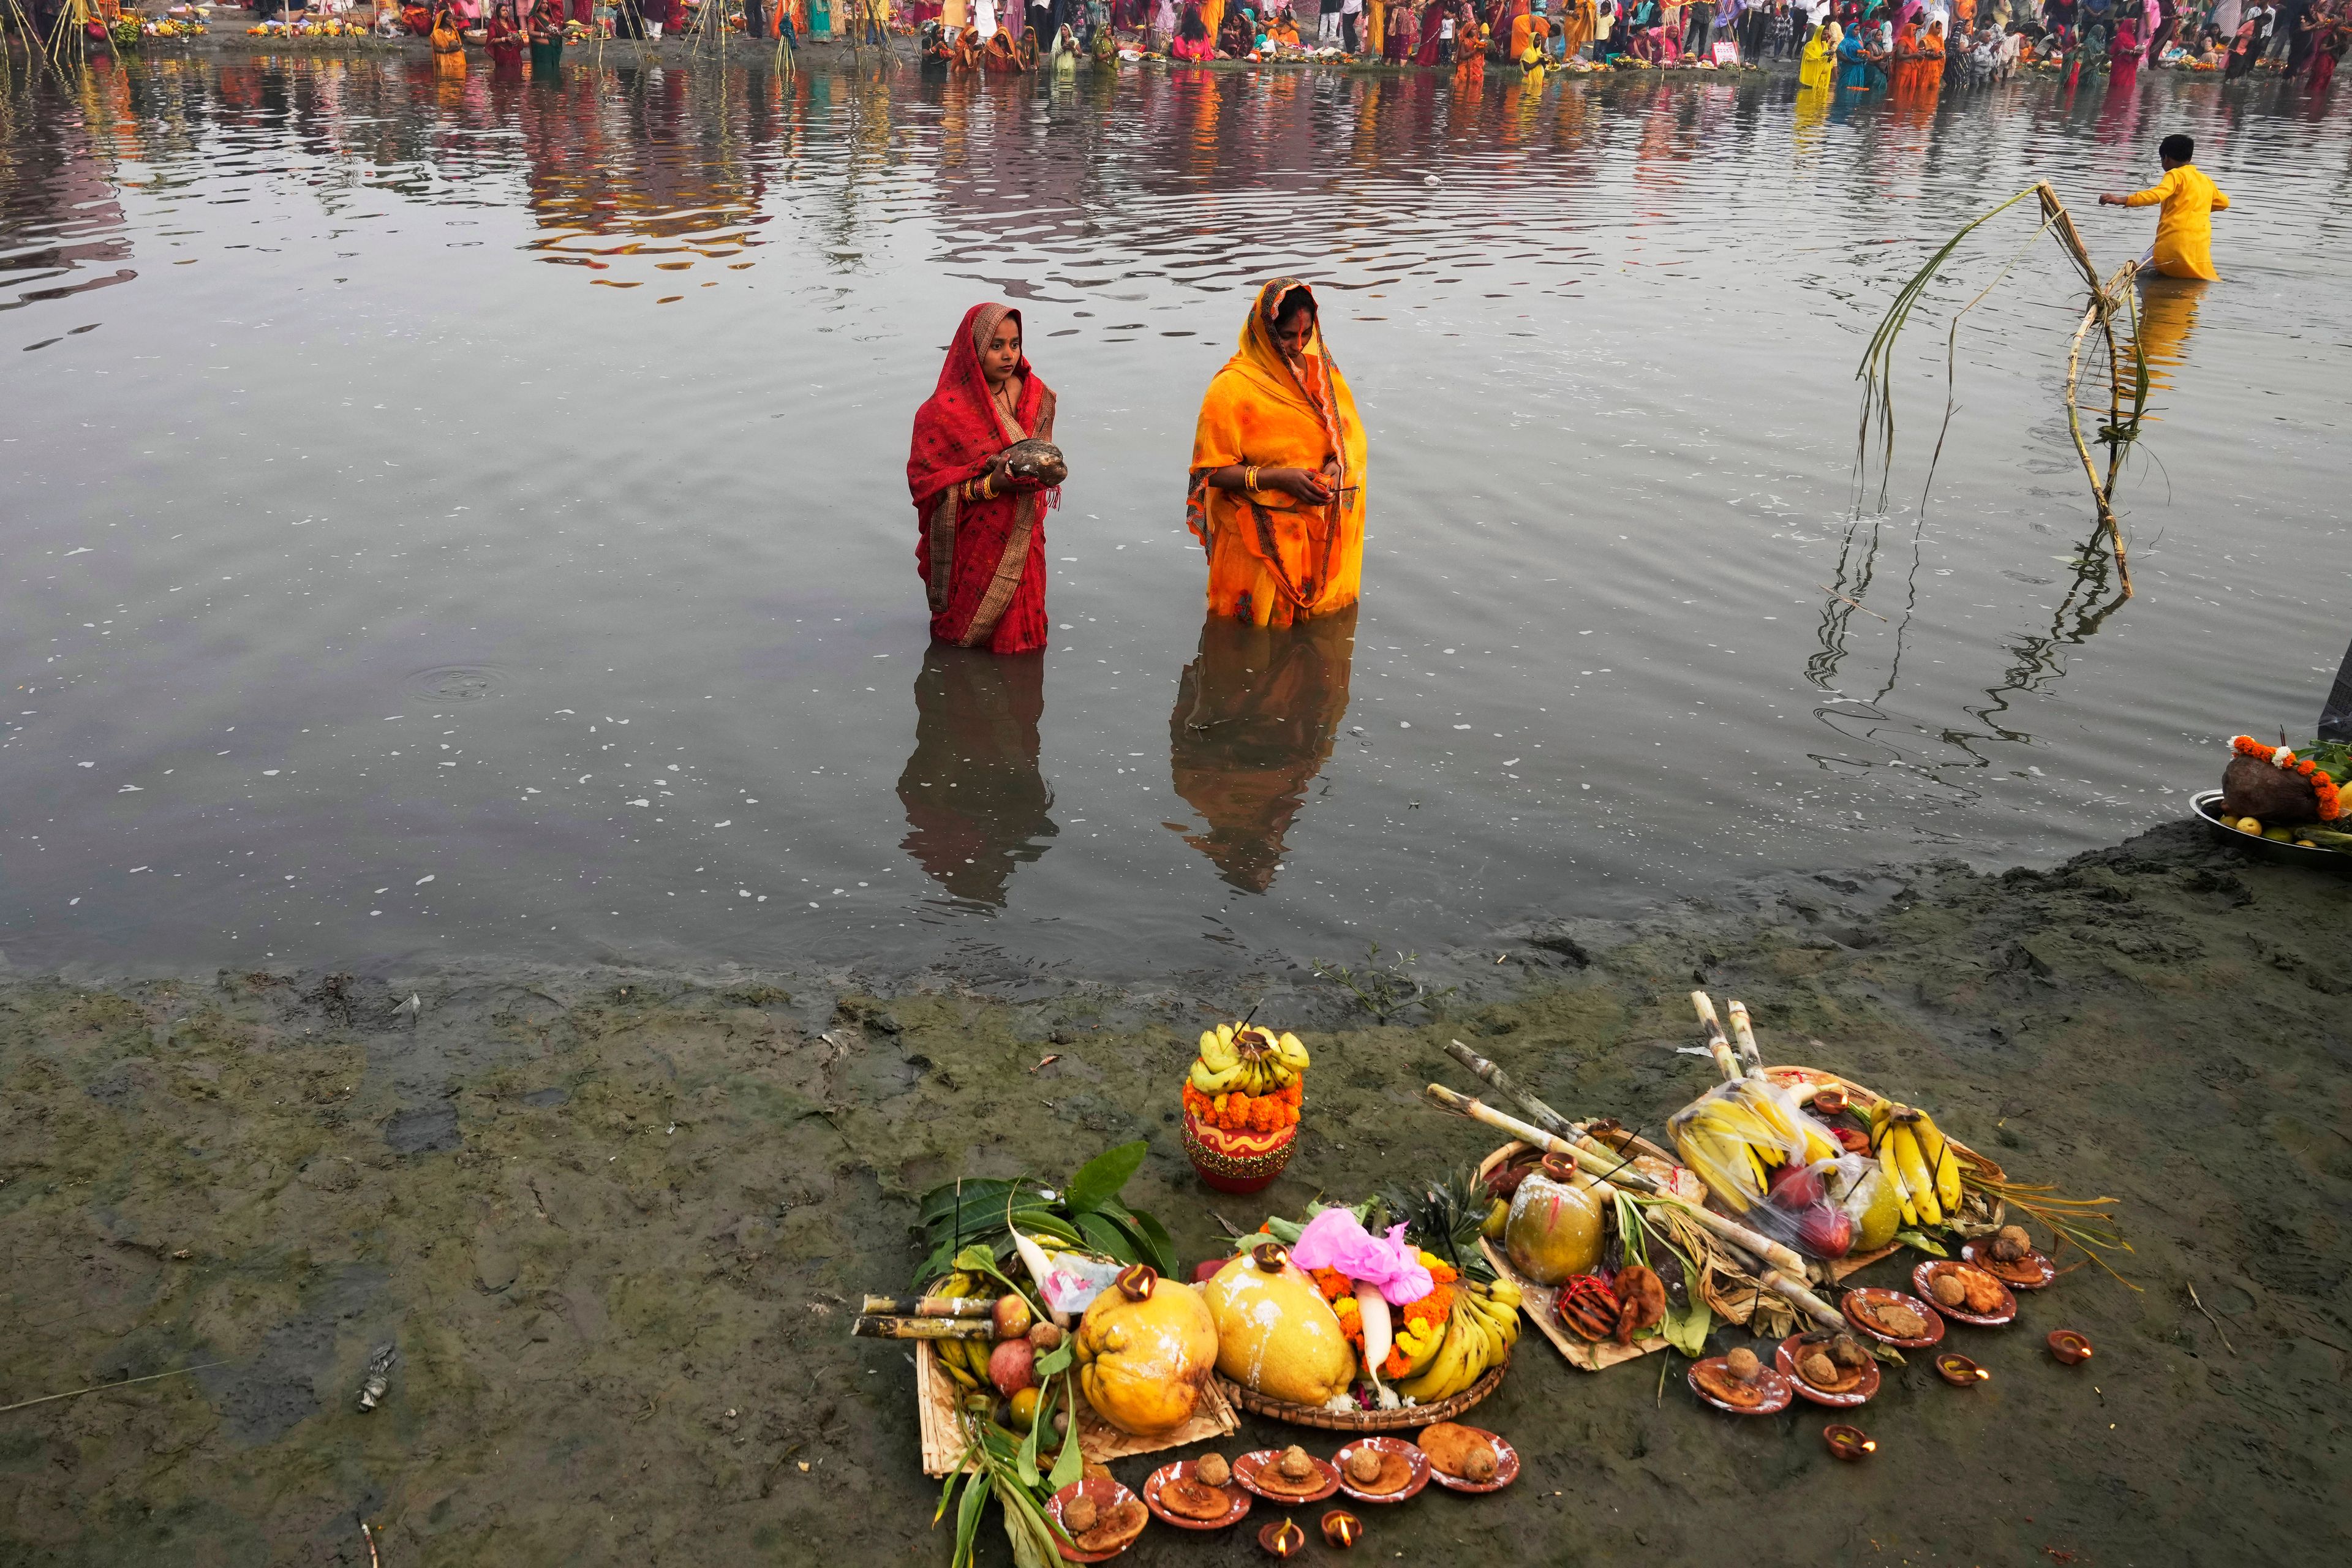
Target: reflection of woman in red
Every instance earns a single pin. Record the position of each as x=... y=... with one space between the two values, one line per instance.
x=981 y=547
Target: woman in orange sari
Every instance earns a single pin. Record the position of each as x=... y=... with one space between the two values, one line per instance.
x=979 y=542
x=1277 y=480
x=1000 y=55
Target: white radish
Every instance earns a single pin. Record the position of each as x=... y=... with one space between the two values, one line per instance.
x=1372 y=1312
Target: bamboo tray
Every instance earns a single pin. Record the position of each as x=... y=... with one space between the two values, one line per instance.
x=1098 y=1440
x=1395 y=1420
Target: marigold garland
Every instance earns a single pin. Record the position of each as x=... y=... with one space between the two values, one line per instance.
x=1247 y=1112
x=1433 y=1308
x=2331 y=801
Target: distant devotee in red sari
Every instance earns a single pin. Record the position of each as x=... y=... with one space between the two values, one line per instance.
x=981 y=534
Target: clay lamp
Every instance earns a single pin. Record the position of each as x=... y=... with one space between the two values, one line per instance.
x=2071 y=1348
x=1282 y=1540
x=1561 y=1168
x=1848 y=1442
x=1270 y=1256
x=1960 y=1372
x=1342 y=1529
x=1831 y=1101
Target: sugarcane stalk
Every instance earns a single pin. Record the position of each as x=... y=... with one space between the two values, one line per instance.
x=1717 y=1045
x=1622 y=1173
x=1745 y=1033
x=1542 y=1115
x=929 y=1306
x=869 y=1327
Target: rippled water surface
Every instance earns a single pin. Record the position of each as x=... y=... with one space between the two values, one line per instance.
x=467 y=519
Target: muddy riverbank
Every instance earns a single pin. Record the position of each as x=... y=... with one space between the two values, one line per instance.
x=611 y=1220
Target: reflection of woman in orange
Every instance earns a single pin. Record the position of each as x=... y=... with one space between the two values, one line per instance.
x=1254 y=718
x=976 y=804
x=1277 y=480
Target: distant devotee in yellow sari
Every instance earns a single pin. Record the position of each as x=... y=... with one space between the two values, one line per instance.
x=1278 y=478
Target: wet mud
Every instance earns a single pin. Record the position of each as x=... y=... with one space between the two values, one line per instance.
x=615 y=1223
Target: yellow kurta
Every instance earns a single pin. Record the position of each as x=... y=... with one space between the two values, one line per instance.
x=2184 y=232
x=1273 y=559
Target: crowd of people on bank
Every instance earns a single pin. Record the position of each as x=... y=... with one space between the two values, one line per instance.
x=1853 y=45
x=1886 y=42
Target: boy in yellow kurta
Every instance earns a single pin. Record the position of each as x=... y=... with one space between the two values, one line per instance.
x=2184 y=231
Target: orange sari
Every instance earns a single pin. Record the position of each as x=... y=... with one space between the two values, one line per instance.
x=1273 y=559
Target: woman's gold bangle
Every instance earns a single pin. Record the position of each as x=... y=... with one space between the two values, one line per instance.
x=1249 y=475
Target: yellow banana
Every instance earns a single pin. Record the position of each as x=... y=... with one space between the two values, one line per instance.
x=1445 y=1374
x=1942 y=1163
x=1217 y=1050
x=1225 y=1035
x=1208 y=1081
x=1916 y=1179
x=1421 y=1347
x=1504 y=1317
x=1294 y=1054
x=1504 y=1292
x=1894 y=1175
x=1818 y=1145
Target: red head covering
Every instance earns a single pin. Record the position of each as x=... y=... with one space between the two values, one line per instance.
x=960 y=429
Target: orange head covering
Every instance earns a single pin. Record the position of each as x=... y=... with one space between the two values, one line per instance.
x=1270 y=409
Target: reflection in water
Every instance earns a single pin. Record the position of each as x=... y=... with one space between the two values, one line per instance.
x=976 y=804
x=1256 y=712
x=2167 y=314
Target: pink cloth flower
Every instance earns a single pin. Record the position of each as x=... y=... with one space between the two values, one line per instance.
x=1337 y=1240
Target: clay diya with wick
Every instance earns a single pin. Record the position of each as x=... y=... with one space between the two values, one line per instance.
x=1282 y=1538
x=1848 y=1442
x=1341 y=1529
x=2071 y=1348
x=1832 y=1101
x=1960 y=1372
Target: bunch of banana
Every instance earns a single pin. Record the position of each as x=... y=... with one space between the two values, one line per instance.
x=1912 y=1151
x=965 y=1361
x=1241 y=1058
x=1736 y=1136
x=1479 y=1332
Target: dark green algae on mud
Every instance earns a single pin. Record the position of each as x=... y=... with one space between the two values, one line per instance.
x=616 y=1224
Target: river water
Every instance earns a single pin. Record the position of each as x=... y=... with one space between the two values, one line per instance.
x=465 y=519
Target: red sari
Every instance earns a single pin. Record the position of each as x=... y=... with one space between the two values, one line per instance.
x=984 y=560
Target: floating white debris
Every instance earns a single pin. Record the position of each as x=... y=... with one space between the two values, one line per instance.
x=130 y=789
x=427 y=877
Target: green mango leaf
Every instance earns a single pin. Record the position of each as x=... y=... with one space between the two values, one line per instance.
x=1153 y=1242
x=1920 y=1239
x=1687 y=1328
x=1072 y=1464
x=1101 y=1177
x=984 y=1197
x=1055 y=1360
x=977 y=1258
x=1107 y=1238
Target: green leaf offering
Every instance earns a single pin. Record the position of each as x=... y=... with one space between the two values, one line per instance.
x=1072 y=1464
x=1687 y=1328
x=1099 y=1179
x=1053 y=1361
x=1920 y=1239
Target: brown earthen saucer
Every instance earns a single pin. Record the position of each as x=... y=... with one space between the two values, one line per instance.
x=2034 y=1271
x=1923 y=1278
x=1857 y=1390
x=1255 y=1470
x=1404 y=1470
x=1237 y=1501
x=1861 y=1301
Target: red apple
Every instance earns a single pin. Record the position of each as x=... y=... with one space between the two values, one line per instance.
x=1012 y=1365
x=1794 y=1187
x=1824 y=1231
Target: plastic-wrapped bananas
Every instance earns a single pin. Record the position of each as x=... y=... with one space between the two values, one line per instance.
x=1737 y=1134
x=1480 y=1331
x=965 y=1361
x=1243 y=1058
x=1914 y=1158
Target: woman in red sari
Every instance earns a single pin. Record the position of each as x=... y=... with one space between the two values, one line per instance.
x=981 y=535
